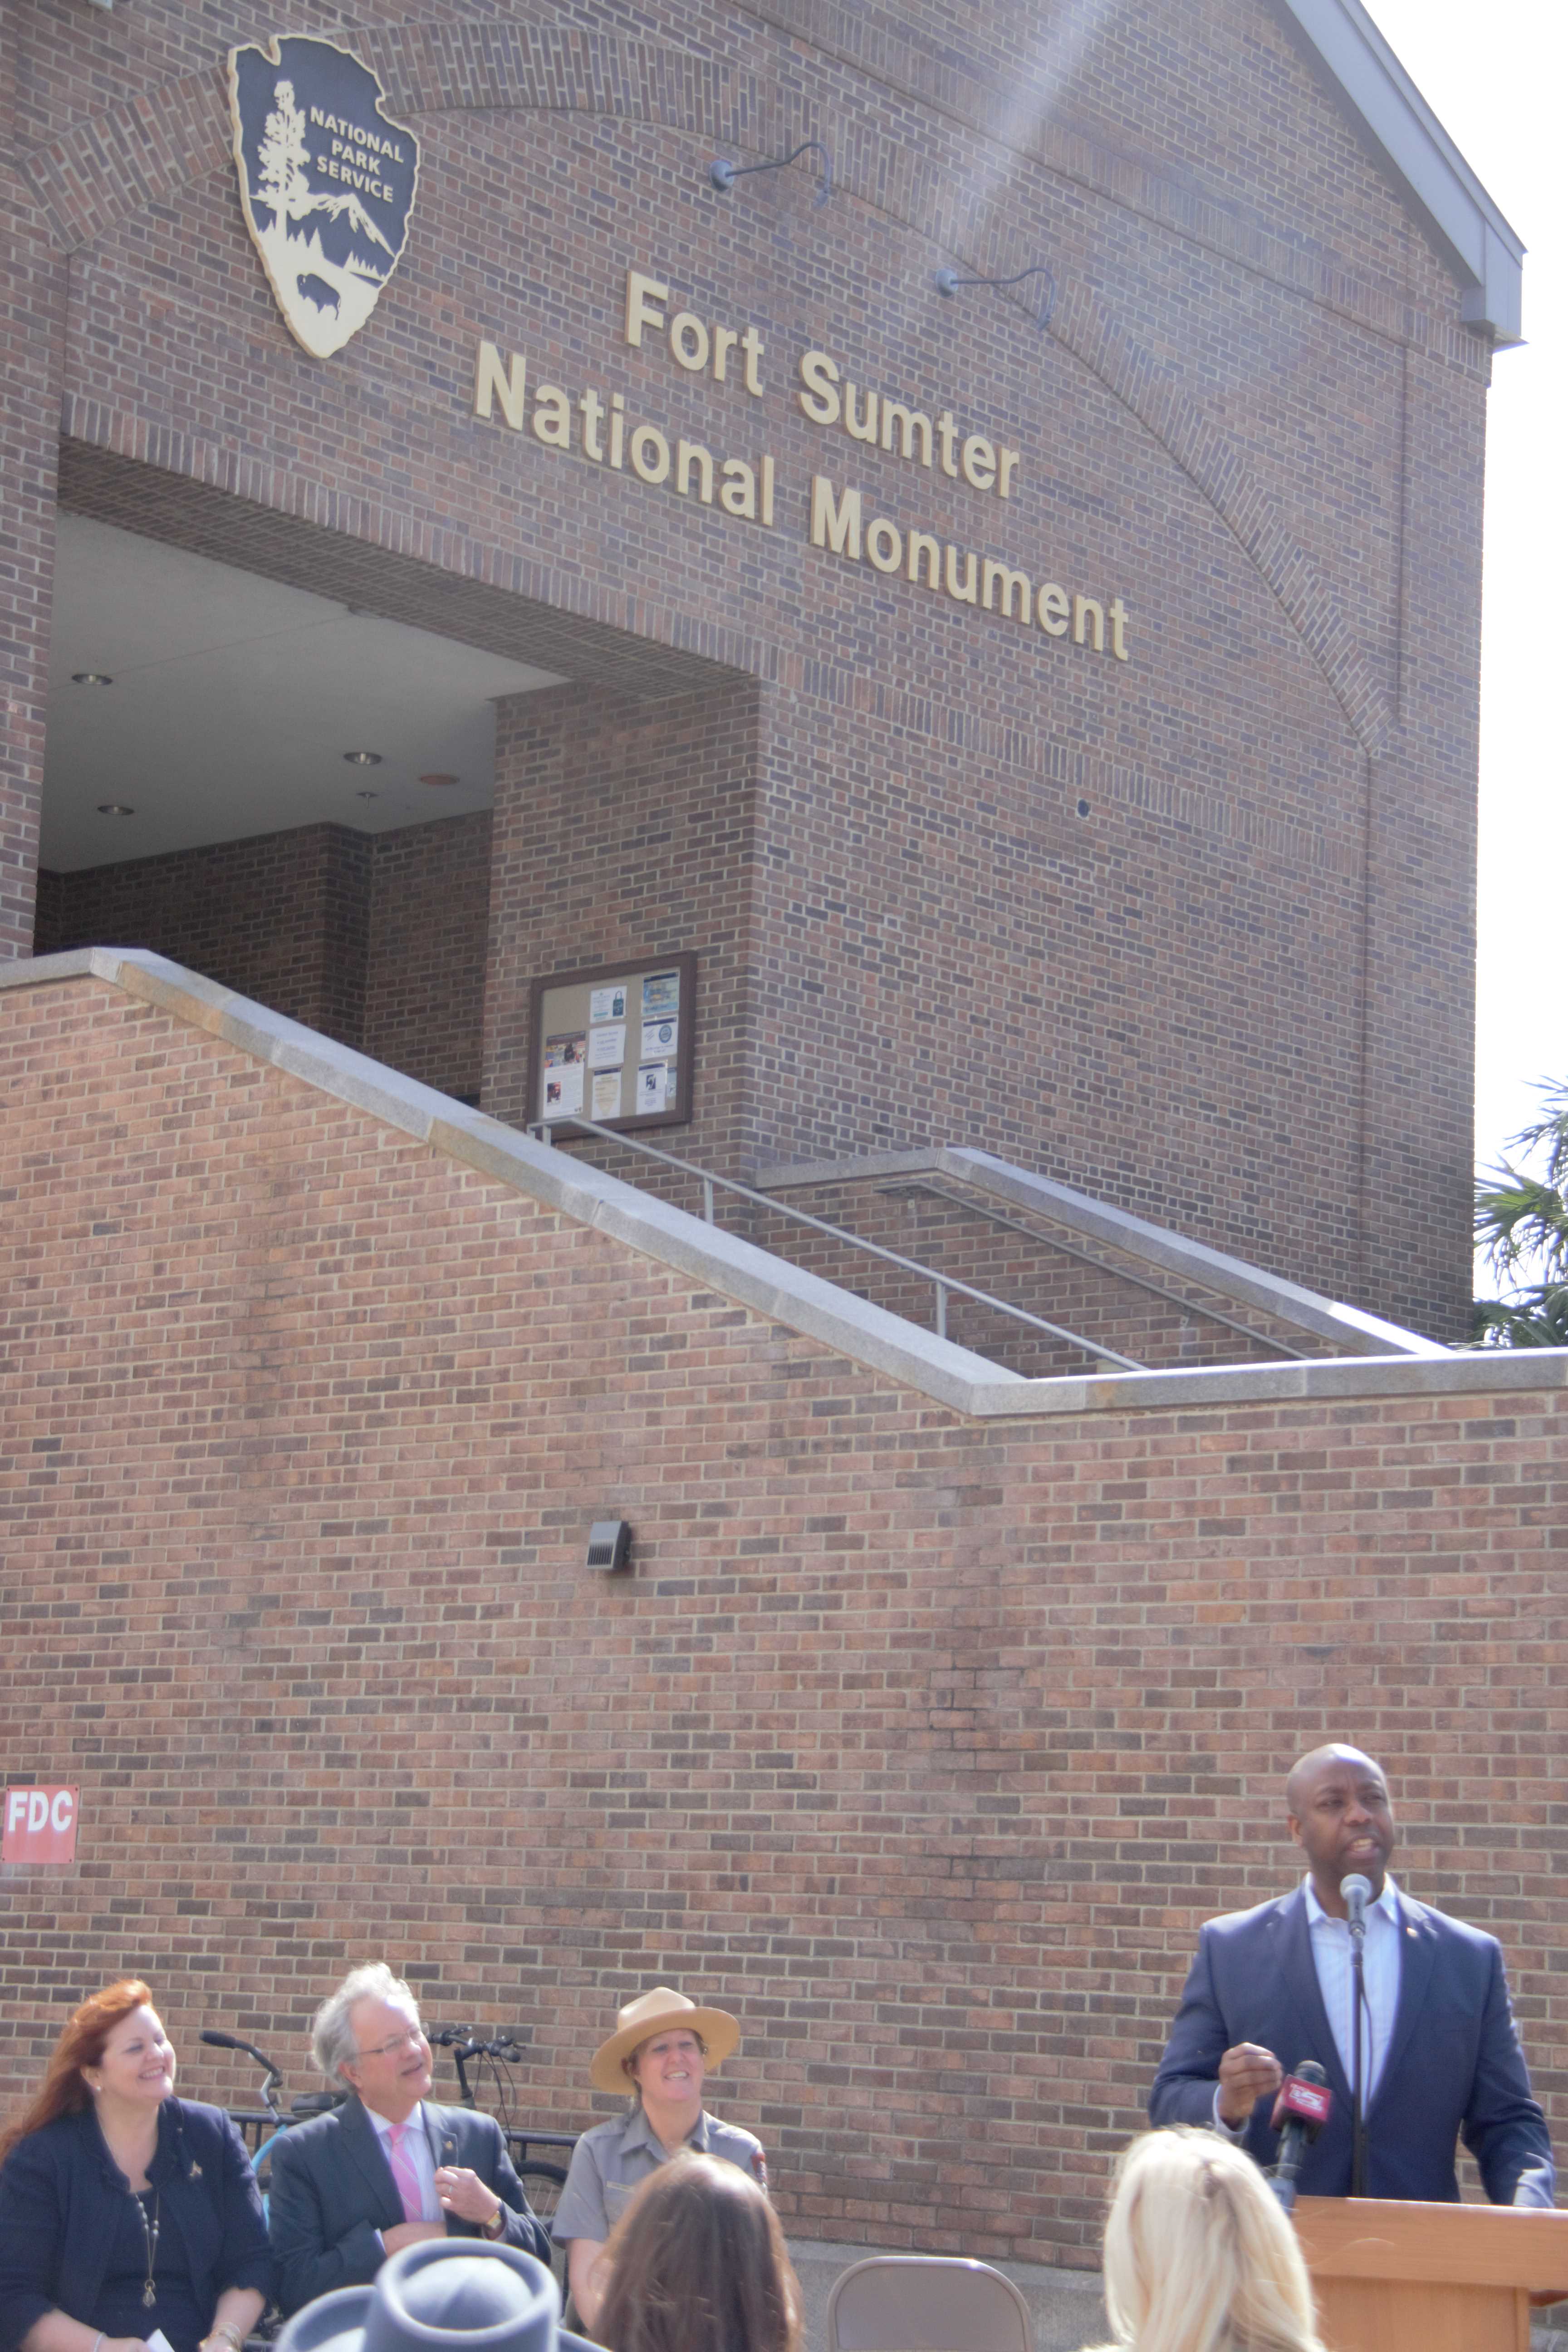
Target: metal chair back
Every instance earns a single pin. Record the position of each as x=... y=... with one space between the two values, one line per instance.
x=927 y=2303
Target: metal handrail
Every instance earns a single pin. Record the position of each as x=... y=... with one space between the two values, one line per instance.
x=545 y=1128
x=960 y=1199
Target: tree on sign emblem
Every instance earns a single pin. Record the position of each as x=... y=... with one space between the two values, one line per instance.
x=326 y=181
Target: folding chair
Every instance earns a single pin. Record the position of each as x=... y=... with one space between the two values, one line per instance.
x=927 y=2303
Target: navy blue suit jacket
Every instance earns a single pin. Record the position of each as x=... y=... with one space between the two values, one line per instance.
x=61 y=2193
x=1454 y=2067
x=332 y=2190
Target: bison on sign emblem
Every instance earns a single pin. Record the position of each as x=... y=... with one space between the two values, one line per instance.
x=326 y=179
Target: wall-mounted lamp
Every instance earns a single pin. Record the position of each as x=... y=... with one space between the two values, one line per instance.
x=609 y=1546
x=724 y=175
x=948 y=281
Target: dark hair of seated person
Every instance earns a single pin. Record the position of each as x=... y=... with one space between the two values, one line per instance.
x=696 y=2263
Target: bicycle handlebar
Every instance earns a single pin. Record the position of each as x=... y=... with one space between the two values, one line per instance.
x=274 y=2074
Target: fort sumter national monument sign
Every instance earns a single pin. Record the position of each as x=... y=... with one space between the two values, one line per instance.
x=837 y=516
x=328 y=182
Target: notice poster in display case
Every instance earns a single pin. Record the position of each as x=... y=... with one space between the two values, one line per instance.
x=615 y=1045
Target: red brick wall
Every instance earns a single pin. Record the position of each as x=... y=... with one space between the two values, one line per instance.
x=921 y=1743
x=283 y=916
x=424 y=984
x=1235 y=993
x=32 y=302
x=376 y=938
x=626 y=830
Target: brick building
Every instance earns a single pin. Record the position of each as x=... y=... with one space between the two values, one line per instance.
x=937 y=1709
x=1154 y=877
x=1047 y=728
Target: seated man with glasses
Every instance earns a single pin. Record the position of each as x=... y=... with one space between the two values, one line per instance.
x=386 y=2168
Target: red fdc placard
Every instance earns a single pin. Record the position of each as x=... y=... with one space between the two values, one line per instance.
x=39 y=1825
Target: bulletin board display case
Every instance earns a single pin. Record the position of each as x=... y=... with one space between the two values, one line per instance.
x=615 y=1045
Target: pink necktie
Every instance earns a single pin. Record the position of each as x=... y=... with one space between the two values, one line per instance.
x=404 y=2174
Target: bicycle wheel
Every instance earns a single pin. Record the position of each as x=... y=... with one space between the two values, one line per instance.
x=541 y=2185
x=261 y=2166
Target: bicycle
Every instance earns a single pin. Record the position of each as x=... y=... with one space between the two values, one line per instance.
x=543 y=2181
x=300 y=2110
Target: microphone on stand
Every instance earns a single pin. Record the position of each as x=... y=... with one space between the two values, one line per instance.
x=1356 y=1893
x=1305 y=2104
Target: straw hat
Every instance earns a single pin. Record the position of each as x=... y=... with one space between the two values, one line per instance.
x=655 y=2013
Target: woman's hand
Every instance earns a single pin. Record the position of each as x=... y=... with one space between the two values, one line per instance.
x=223 y=2337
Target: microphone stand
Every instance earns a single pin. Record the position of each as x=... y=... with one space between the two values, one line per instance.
x=1359 y=2008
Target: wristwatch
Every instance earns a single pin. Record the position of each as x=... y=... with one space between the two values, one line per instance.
x=496 y=2226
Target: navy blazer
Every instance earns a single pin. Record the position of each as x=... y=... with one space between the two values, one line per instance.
x=332 y=2190
x=61 y=2195
x=1454 y=2065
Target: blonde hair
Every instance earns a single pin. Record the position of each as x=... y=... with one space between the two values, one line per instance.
x=1198 y=2255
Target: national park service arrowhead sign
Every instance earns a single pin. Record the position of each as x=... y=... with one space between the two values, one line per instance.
x=326 y=179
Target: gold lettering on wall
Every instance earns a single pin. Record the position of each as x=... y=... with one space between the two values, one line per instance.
x=745 y=487
x=838 y=525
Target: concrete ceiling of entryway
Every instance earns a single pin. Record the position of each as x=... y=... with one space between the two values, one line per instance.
x=234 y=700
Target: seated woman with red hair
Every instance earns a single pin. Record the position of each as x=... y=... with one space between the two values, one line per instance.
x=124 y=2210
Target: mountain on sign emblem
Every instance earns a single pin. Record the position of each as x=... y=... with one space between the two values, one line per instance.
x=326 y=179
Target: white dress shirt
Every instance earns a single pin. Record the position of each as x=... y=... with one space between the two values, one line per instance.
x=416 y=2149
x=1336 y=1982
x=1331 y=1942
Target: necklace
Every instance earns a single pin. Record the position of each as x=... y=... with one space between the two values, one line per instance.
x=150 y=2239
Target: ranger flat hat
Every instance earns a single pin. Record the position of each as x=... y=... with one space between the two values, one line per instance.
x=655 y=2012
x=443 y=2294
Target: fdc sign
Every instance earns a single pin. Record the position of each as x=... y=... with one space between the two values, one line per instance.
x=40 y=1825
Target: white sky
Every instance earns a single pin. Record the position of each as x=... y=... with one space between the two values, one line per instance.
x=1496 y=77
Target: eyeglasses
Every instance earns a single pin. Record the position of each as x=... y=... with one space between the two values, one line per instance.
x=410 y=2039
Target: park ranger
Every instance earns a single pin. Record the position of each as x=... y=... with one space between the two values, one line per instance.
x=661 y=2051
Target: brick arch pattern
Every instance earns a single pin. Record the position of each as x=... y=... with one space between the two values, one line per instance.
x=144 y=149
x=1210 y=459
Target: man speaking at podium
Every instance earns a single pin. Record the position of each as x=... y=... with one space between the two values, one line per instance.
x=1438 y=2051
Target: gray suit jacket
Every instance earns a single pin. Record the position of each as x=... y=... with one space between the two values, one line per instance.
x=332 y=2190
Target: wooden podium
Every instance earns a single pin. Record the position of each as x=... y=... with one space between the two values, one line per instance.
x=1429 y=2278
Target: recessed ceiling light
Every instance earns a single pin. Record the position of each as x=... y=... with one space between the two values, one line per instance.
x=91 y=678
x=363 y=759
x=115 y=808
x=367 y=796
x=440 y=778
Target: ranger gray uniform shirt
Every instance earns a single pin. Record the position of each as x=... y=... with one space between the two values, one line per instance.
x=611 y=2162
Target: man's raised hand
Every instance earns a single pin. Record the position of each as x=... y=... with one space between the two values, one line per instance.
x=1247 y=2073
